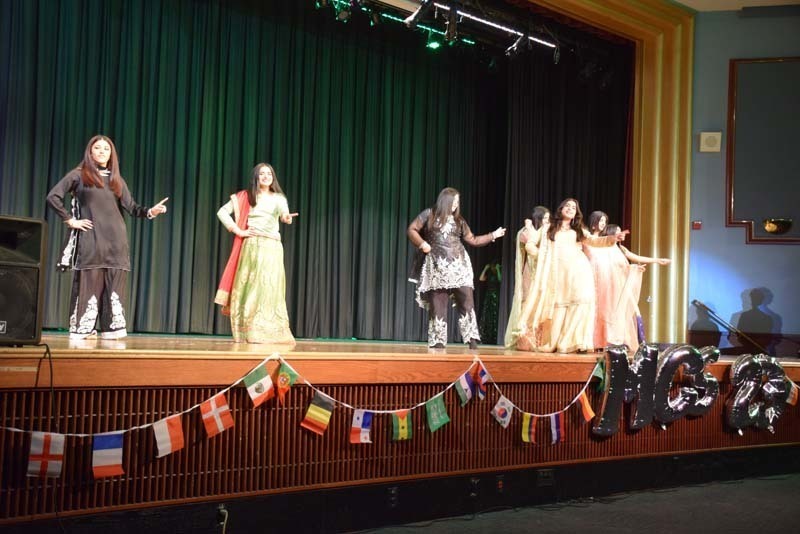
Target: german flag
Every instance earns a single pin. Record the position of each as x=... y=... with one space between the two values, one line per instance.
x=319 y=414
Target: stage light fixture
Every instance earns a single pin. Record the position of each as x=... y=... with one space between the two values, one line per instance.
x=514 y=50
x=451 y=34
x=412 y=20
x=433 y=43
x=556 y=55
x=320 y=4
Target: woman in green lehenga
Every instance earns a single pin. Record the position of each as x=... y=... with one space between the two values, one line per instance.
x=253 y=287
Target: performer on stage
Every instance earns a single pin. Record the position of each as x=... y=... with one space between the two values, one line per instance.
x=563 y=299
x=253 y=286
x=491 y=276
x=98 y=246
x=444 y=269
x=618 y=284
x=527 y=254
x=597 y=223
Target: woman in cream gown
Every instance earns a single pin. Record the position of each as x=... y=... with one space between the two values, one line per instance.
x=561 y=307
x=527 y=251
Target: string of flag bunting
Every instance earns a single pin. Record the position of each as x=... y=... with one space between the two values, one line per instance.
x=47 y=448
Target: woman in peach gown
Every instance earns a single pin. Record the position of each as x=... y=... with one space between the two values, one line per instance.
x=618 y=284
x=561 y=307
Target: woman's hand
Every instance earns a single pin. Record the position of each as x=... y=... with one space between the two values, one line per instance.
x=500 y=232
x=663 y=261
x=80 y=224
x=425 y=247
x=248 y=232
x=156 y=210
x=621 y=235
x=286 y=218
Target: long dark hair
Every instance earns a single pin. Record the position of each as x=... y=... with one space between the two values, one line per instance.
x=90 y=175
x=576 y=224
x=610 y=229
x=594 y=221
x=538 y=215
x=443 y=208
x=252 y=193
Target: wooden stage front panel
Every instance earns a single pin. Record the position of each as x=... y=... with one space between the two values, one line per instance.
x=101 y=386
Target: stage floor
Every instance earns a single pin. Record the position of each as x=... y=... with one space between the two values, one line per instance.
x=202 y=346
x=205 y=346
x=162 y=360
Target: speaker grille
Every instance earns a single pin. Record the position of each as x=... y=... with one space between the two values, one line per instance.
x=18 y=299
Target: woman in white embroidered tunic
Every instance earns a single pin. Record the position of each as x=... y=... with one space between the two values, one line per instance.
x=102 y=256
x=444 y=268
x=527 y=255
x=561 y=309
x=253 y=287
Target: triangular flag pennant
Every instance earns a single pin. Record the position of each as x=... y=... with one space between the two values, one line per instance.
x=557 y=427
x=259 y=385
x=216 y=414
x=46 y=455
x=586 y=407
x=502 y=411
x=600 y=372
x=465 y=387
x=793 y=393
x=401 y=425
x=528 y=428
x=437 y=413
x=480 y=379
x=319 y=413
x=286 y=379
x=107 y=454
x=362 y=424
x=169 y=435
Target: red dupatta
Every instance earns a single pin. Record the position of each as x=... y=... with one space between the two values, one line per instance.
x=241 y=209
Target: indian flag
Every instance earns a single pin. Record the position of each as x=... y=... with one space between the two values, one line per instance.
x=528 y=428
x=586 y=407
x=793 y=391
x=259 y=385
x=401 y=425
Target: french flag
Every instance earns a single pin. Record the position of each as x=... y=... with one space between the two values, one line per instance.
x=107 y=454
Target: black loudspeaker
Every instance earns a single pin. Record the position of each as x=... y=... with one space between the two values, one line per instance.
x=23 y=244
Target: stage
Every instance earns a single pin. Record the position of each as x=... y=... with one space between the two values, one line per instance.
x=103 y=386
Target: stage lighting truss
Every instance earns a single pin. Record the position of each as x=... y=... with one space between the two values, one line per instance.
x=413 y=19
x=455 y=14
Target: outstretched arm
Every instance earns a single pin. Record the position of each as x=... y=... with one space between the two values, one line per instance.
x=635 y=258
x=481 y=240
